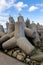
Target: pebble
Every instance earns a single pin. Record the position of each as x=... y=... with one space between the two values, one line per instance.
x=27 y=60
x=5 y=51
x=20 y=56
x=9 y=52
x=15 y=53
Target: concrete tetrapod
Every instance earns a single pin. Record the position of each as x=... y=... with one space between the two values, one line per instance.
x=27 y=23
x=7 y=24
x=4 y=38
x=36 y=39
x=38 y=56
x=11 y=34
x=19 y=38
x=11 y=27
x=22 y=42
x=34 y=35
x=1 y=28
x=2 y=33
x=29 y=32
x=11 y=43
x=25 y=45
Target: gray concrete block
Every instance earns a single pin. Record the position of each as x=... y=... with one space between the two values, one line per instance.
x=29 y=32
x=1 y=28
x=2 y=34
x=25 y=45
x=11 y=43
x=4 y=38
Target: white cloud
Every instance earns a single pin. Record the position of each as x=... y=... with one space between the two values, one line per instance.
x=4 y=24
x=5 y=5
x=3 y=20
x=32 y=8
x=20 y=5
x=4 y=14
x=41 y=4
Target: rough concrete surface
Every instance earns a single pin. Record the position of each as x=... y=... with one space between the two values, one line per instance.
x=6 y=60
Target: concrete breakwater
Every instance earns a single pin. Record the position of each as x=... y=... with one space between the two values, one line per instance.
x=22 y=41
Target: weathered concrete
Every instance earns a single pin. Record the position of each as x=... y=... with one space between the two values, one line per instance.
x=1 y=28
x=36 y=40
x=29 y=32
x=19 y=27
x=11 y=43
x=22 y=42
x=19 y=30
x=1 y=31
x=11 y=34
x=4 y=38
x=38 y=56
x=19 y=38
x=25 y=45
x=11 y=25
x=27 y=23
x=41 y=63
x=7 y=24
x=11 y=20
x=1 y=34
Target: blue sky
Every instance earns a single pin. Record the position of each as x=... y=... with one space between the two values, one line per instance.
x=33 y=9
